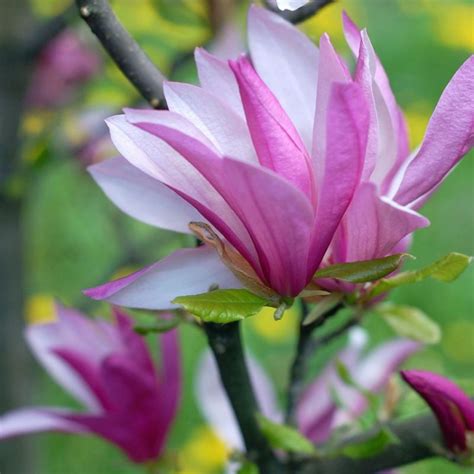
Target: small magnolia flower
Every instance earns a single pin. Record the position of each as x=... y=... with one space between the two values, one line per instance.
x=451 y=406
x=317 y=413
x=108 y=368
x=64 y=64
x=264 y=168
x=395 y=184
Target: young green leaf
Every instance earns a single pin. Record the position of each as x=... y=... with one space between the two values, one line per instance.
x=248 y=468
x=363 y=271
x=410 y=322
x=284 y=437
x=222 y=306
x=446 y=269
x=372 y=446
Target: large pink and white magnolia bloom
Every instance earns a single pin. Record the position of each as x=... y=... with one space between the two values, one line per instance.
x=317 y=412
x=108 y=368
x=266 y=155
x=237 y=154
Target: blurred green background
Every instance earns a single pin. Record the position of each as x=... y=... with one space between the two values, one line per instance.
x=76 y=238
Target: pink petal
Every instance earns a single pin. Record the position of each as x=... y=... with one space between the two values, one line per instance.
x=77 y=332
x=224 y=128
x=142 y=197
x=452 y=407
x=287 y=61
x=373 y=373
x=372 y=226
x=184 y=272
x=216 y=77
x=347 y=128
x=206 y=165
x=331 y=70
x=36 y=420
x=215 y=406
x=386 y=101
x=278 y=217
x=274 y=136
x=316 y=408
x=449 y=136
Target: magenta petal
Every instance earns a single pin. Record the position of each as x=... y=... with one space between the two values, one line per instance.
x=278 y=217
x=373 y=226
x=36 y=420
x=276 y=141
x=184 y=272
x=347 y=131
x=449 y=136
x=287 y=61
x=142 y=197
x=452 y=407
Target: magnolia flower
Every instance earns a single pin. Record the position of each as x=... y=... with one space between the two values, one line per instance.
x=451 y=406
x=395 y=184
x=243 y=156
x=317 y=414
x=108 y=368
x=64 y=64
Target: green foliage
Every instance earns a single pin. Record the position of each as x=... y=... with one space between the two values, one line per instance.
x=363 y=271
x=410 y=322
x=285 y=437
x=248 y=468
x=157 y=326
x=371 y=446
x=222 y=306
x=446 y=269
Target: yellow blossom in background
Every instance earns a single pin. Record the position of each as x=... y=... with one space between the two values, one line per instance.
x=40 y=309
x=265 y=325
x=458 y=340
x=203 y=453
x=452 y=21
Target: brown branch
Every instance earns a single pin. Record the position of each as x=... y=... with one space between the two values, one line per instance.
x=124 y=50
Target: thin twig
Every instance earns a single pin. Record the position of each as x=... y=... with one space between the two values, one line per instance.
x=303 y=13
x=123 y=49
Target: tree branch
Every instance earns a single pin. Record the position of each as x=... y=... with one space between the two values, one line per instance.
x=303 y=13
x=304 y=349
x=123 y=49
x=225 y=342
x=420 y=438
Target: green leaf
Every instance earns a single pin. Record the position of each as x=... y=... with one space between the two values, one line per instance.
x=363 y=271
x=285 y=437
x=410 y=322
x=372 y=446
x=446 y=269
x=248 y=468
x=222 y=306
x=160 y=325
